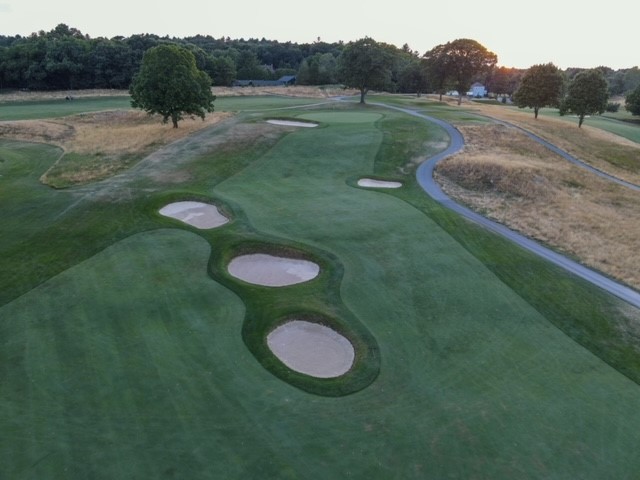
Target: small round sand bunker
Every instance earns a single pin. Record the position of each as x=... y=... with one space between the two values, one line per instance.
x=197 y=214
x=312 y=349
x=272 y=271
x=372 y=183
x=292 y=123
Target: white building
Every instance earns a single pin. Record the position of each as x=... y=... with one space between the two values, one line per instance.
x=477 y=90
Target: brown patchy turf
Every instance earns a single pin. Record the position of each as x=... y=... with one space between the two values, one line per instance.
x=98 y=145
x=606 y=151
x=508 y=177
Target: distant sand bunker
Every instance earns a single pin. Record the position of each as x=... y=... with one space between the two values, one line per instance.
x=312 y=349
x=197 y=214
x=291 y=123
x=371 y=183
x=271 y=271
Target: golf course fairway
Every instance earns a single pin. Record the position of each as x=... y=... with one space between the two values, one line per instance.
x=128 y=351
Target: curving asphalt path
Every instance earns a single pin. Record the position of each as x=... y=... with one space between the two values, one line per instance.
x=424 y=176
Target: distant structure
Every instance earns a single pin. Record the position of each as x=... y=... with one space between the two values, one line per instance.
x=477 y=90
x=281 y=82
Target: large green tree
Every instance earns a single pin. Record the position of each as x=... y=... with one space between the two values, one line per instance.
x=632 y=103
x=465 y=60
x=504 y=81
x=587 y=94
x=436 y=69
x=413 y=77
x=224 y=71
x=541 y=86
x=366 y=64
x=169 y=83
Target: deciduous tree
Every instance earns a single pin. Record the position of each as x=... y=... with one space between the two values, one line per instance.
x=169 y=83
x=587 y=94
x=632 y=103
x=366 y=64
x=436 y=66
x=504 y=81
x=541 y=86
x=464 y=60
x=413 y=78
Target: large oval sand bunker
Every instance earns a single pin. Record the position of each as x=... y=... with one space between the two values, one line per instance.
x=272 y=271
x=312 y=349
x=197 y=214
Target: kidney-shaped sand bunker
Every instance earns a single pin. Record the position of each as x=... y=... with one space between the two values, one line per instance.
x=272 y=271
x=373 y=183
x=197 y=214
x=312 y=349
x=292 y=123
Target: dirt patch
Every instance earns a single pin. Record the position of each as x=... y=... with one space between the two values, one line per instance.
x=312 y=349
x=272 y=271
x=506 y=176
x=197 y=214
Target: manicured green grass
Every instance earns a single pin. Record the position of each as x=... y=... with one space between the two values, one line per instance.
x=29 y=110
x=128 y=361
x=258 y=103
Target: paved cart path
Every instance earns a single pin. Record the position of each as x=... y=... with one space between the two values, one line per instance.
x=424 y=176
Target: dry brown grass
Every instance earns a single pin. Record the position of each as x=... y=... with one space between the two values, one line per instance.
x=606 y=151
x=97 y=145
x=291 y=91
x=48 y=95
x=508 y=177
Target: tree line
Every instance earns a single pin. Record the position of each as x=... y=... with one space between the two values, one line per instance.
x=65 y=58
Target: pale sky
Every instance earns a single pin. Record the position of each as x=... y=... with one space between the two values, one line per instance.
x=569 y=33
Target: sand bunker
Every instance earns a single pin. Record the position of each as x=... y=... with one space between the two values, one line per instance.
x=291 y=123
x=312 y=349
x=271 y=271
x=370 y=182
x=197 y=214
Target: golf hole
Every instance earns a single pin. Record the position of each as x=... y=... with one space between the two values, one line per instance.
x=292 y=123
x=372 y=183
x=312 y=349
x=197 y=214
x=271 y=271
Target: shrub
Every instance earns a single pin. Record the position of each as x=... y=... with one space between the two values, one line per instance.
x=612 y=107
x=632 y=103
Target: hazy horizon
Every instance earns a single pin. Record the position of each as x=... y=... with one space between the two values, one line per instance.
x=567 y=34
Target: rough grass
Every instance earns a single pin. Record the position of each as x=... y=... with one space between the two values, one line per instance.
x=305 y=91
x=604 y=150
x=35 y=96
x=508 y=177
x=98 y=145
